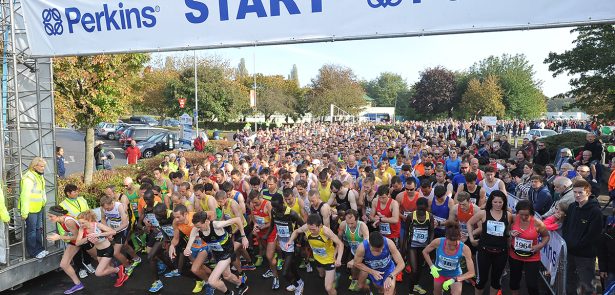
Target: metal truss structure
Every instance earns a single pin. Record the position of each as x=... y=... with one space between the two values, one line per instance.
x=27 y=132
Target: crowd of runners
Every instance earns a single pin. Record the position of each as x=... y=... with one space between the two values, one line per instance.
x=383 y=206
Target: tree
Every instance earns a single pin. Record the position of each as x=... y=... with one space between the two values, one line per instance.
x=152 y=87
x=591 y=63
x=561 y=104
x=521 y=91
x=294 y=75
x=275 y=95
x=94 y=89
x=220 y=96
x=337 y=85
x=242 y=71
x=386 y=89
x=435 y=92
x=483 y=99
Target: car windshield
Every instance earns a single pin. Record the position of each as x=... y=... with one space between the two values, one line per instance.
x=548 y=132
x=155 y=137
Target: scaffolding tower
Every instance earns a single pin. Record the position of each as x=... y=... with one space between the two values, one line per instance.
x=27 y=131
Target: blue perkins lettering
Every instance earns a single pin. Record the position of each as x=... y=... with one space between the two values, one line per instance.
x=110 y=19
x=200 y=10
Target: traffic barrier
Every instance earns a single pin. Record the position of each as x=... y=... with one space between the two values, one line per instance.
x=553 y=257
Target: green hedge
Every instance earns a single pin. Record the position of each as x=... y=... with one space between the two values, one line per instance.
x=572 y=140
x=103 y=178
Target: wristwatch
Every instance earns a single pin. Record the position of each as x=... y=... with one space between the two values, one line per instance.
x=392 y=277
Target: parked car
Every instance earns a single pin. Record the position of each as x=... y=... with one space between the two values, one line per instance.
x=540 y=133
x=138 y=134
x=568 y=130
x=169 y=122
x=104 y=129
x=157 y=143
x=147 y=120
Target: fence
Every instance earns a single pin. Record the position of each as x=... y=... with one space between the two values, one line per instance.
x=553 y=258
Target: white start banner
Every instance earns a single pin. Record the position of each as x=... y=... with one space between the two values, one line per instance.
x=80 y=27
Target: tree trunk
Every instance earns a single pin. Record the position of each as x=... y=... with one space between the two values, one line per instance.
x=88 y=170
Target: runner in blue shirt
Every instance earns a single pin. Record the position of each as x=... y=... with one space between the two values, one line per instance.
x=379 y=259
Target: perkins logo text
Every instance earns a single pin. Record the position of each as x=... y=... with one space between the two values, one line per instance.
x=106 y=19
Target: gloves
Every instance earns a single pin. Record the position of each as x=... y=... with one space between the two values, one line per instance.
x=434 y=271
x=447 y=284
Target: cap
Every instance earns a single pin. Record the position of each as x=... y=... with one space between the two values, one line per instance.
x=99 y=142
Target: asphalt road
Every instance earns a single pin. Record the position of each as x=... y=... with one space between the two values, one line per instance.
x=56 y=282
x=73 y=142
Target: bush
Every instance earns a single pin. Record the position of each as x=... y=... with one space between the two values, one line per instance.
x=572 y=140
x=104 y=178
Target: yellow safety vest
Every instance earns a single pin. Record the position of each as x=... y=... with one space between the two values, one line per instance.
x=75 y=207
x=32 y=196
x=4 y=214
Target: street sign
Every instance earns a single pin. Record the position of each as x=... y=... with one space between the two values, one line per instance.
x=182 y=102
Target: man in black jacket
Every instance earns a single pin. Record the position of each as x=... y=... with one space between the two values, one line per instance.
x=593 y=145
x=542 y=154
x=581 y=231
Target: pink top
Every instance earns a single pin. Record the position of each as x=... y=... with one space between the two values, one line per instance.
x=551 y=223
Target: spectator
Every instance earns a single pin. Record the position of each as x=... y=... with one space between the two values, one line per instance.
x=584 y=173
x=539 y=195
x=581 y=231
x=568 y=170
x=586 y=159
x=524 y=182
x=542 y=154
x=99 y=155
x=606 y=256
x=563 y=194
x=594 y=146
x=133 y=153
x=550 y=175
x=32 y=199
x=199 y=144
x=565 y=157
x=60 y=162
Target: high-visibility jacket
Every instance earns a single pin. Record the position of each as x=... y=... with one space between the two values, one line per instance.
x=32 y=196
x=75 y=206
x=4 y=214
x=612 y=181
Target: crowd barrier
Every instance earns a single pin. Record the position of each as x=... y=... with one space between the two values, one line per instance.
x=553 y=257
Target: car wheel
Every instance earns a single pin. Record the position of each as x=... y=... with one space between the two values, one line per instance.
x=148 y=154
x=111 y=136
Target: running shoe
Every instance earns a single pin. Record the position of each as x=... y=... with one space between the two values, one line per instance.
x=136 y=261
x=276 y=284
x=243 y=288
x=198 y=287
x=121 y=277
x=74 y=289
x=41 y=254
x=418 y=289
x=83 y=274
x=156 y=286
x=299 y=289
x=259 y=261
x=500 y=292
x=161 y=267
x=90 y=268
x=354 y=286
x=209 y=290
x=172 y=274
x=408 y=269
x=130 y=269
x=248 y=267
x=243 y=277
x=291 y=288
x=400 y=277
x=268 y=274
x=280 y=264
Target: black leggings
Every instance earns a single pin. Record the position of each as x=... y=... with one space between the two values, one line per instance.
x=291 y=267
x=531 y=275
x=416 y=259
x=490 y=261
x=157 y=253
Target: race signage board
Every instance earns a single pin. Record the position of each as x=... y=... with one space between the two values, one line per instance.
x=82 y=27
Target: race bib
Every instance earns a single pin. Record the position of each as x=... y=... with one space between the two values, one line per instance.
x=407 y=213
x=114 y=224
x=289 y=247
x=227 y=216
x=152 y=219
x=385 y=228
x=448 y=263
x=495 y=228
x=368 y=211
x=473 y=200
x=353 y=246
x=319 y=251
x=420 y=235
x=283 y=231
x=464 y=228
x=216 y=247
x=168 y=229
x=522 y=244
x=440 y=220
x=260 y=220
x=135 y=207
x=378 y=263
